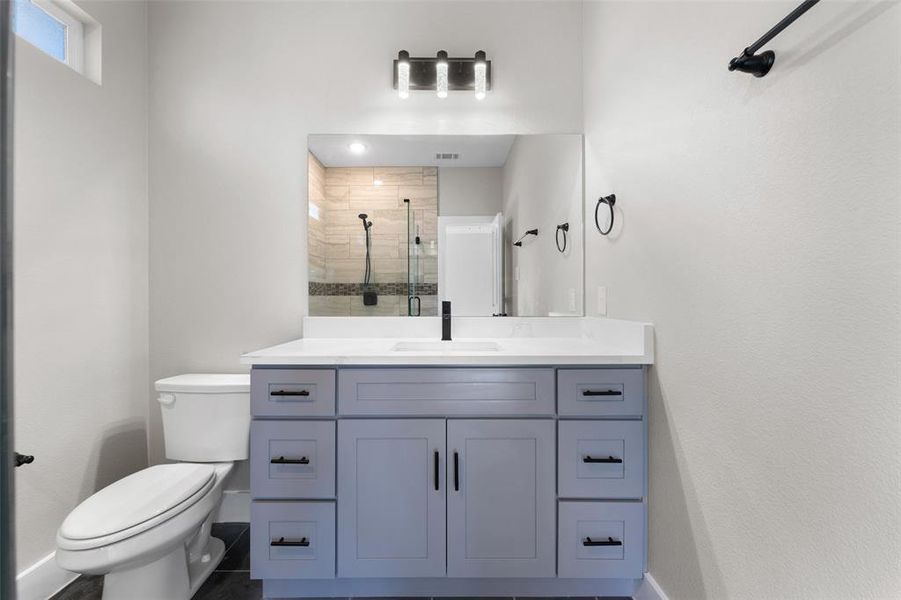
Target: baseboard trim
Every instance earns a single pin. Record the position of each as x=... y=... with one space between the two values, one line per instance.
x=42 y=579
x=447 y=586
x=650 y=590
x=235 y=507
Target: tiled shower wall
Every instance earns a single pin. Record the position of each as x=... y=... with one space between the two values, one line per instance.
x=337 y=246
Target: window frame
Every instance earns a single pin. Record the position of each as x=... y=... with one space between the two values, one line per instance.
x=75 y=35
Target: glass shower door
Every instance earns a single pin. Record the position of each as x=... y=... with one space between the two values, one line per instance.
x=414 y=263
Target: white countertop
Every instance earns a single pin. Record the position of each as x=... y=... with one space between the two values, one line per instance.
x=517 y=342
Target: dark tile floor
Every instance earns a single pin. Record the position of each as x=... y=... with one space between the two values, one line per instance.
x=230 y=581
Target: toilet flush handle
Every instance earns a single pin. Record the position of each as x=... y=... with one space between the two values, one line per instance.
x=166 y=399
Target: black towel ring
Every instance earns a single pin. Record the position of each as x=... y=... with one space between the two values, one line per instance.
x=564 y=228
x=609 y=201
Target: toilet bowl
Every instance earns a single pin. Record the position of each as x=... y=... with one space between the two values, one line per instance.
x=149 y=533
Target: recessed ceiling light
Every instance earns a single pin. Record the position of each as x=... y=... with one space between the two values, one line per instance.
x=357 y=147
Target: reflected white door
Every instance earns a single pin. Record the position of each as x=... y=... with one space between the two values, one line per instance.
x=470 y=264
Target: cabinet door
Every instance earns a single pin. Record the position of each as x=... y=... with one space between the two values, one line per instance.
x=391 y=498
x=500 y=507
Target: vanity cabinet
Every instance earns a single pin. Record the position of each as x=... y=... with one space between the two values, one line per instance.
x=448 y=481
x=391 y=517
x=500 y=507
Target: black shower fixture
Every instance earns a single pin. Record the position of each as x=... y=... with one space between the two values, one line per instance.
x=525 y=235
x=370 y=296
x=759 y=65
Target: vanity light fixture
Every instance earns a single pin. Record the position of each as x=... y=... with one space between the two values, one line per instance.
x=441 y=74
x=480 y=67
x=357 y=147
x=402 y=72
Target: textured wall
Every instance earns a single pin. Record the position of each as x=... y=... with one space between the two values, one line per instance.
x=236 y=87
x=469 y=191
x=758 y=228
x=81 y=337
x=542 y=188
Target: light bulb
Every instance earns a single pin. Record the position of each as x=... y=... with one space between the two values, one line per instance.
x=441 y=74
x=481 y=73
x=403 y=74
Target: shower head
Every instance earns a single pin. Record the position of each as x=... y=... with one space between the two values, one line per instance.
x=366 y=224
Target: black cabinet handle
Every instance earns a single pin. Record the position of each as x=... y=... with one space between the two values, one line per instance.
x=304 y=542
x=608 y=460
x=608 y=542
x=281 y=460
x=289 y=393
x=456 y=472
x=601 y=393
x=23 y=459
x=436 y=470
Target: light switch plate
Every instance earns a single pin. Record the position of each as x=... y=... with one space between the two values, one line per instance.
x=572 y=300
x=602 y=300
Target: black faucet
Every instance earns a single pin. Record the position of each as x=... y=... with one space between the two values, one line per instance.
x=445 y=321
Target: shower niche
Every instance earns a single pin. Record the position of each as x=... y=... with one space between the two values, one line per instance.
x=398 y=223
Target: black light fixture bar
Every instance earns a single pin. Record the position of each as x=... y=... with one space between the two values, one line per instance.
x=460 y=73
x=760 y=64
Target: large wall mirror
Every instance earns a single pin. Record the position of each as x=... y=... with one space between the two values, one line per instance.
x=492 y=223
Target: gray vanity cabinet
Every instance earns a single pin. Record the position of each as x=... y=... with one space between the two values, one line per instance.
x=500 y=507
x=391 y=517
x=448 y=481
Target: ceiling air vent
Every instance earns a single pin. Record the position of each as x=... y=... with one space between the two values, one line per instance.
x=447 y=156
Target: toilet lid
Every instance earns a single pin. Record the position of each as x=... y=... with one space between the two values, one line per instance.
x=137 y=498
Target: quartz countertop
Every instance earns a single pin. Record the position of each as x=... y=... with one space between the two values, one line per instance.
x=594 y=342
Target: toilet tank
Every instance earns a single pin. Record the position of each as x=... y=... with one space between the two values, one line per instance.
x=206 y=417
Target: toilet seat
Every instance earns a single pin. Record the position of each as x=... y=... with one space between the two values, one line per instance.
x=135 y=504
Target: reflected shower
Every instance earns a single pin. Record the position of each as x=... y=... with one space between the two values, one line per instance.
x=370 y=297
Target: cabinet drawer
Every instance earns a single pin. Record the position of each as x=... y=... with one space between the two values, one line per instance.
x=446 y=392
x=292 y=459
x=600 y=392
x=292 y=540
x=292 y=392
x=601 y=540
x=600 y=459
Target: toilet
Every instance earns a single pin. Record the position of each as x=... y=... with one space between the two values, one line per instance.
x=149 y=533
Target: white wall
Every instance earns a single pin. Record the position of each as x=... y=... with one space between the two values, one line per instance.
x=236 y=87
x=758 y=228
x=81 y=254
x=469 y=191
x=542 y=188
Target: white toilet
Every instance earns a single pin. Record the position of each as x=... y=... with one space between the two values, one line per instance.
x=149 y=533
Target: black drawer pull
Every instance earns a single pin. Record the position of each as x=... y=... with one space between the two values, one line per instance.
x=281 y=460
x=609 y=460
x=304 y=542
x=608 y=542
x=289 y=393
x=602 y=393
x=436 y=471
x=456 y=472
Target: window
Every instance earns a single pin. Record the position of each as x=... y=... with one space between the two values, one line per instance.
x=60 y=29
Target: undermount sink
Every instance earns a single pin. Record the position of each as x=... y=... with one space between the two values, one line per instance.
x=450 y=346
